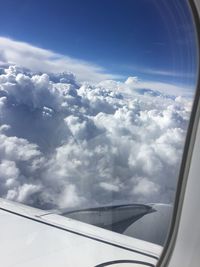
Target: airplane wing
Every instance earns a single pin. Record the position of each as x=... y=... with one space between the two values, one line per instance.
x=31 y=237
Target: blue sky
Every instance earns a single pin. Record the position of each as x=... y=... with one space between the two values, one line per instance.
x=151 y=39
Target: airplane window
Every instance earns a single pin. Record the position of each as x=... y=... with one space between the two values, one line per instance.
x=95 y=102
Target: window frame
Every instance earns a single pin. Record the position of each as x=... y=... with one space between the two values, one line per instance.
x=191 y=137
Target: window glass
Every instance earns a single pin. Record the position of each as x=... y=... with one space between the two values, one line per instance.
x=95 y=100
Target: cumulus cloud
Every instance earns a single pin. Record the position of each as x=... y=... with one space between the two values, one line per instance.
x=64 y=143
x=158 y=86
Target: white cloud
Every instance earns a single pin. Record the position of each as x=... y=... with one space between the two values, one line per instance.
x=167 y=88
x=110 y=187
x=38 y=59
x=69 y=197
x=26 y=191
x=145 y=187
x=169 y=73
x=64 y=144
x=14 y=52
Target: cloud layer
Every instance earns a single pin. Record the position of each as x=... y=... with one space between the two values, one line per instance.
x=45 y=61
x=38 y=59
x=66 y=144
